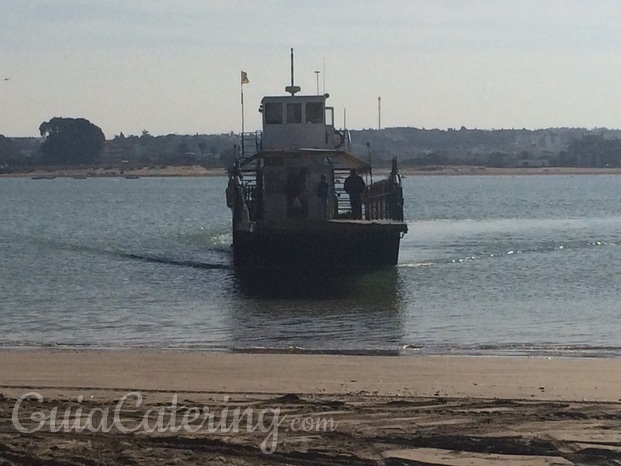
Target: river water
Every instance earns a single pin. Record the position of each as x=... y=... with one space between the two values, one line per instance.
x=492 y=265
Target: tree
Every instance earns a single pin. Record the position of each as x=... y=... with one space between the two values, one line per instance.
x=202 y=146
x=70 y=141
x=6 y=152
x=183 y=148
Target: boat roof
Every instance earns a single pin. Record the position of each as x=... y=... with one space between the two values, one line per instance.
x=294 y=98
x=339 y=158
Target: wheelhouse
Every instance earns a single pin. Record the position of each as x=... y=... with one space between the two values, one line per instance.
x=299 y=122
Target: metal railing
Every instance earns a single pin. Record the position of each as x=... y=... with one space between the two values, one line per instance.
x=384 y=201
x=251 y=143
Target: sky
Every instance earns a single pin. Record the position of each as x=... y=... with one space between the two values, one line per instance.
x=173 y=66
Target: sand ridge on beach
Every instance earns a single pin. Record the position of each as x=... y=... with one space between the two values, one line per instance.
x=427 y=410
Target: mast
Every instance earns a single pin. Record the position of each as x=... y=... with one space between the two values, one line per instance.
x=293 y=88
x=317 y=75
x=292 y=67
x=244 y=80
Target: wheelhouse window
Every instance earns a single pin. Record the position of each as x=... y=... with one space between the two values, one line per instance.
x=329 y=116
x=294 y=113
x=273 y=113
x=314 y=112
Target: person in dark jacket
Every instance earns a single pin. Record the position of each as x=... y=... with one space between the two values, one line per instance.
x=354 y=186
x=292 y=192
x=323 y=192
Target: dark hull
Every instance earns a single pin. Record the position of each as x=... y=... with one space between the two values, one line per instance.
x=354 y=246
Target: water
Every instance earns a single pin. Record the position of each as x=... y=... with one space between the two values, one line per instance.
x=522 y=265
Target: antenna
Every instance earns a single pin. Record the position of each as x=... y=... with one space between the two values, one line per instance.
x=369 y=153
x=317 y=74
x=292 y=89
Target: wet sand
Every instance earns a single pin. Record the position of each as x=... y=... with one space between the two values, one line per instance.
x=427 y=410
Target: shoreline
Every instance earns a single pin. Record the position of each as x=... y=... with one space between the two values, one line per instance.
x=432 y=410
x=199 y=171
x=584 y=353
x=117 y=172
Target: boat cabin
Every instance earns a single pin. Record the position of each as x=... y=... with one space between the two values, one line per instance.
x=287 y=184
x=299 y=122
x=297 y=153
x=298 y=150
x=292 y=183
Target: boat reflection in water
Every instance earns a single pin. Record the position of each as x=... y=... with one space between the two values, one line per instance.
x=379 y=285
x=361 y=314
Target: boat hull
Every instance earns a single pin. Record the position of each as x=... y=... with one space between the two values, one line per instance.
x=354 y=246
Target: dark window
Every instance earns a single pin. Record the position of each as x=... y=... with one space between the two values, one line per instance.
x=273 y=113
x=294 y=113
x=314 y=112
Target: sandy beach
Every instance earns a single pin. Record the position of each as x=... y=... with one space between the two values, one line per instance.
x=360 y=410
x=197 y=170
x=99 y=172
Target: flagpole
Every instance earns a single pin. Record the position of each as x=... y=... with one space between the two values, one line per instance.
x=242 y=114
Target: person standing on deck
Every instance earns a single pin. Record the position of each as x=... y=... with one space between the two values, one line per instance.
x=292 y=192
x=323 y=192
x=354 y=186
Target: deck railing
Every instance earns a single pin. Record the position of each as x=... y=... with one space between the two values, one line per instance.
x=382 y=200
x=251 y=143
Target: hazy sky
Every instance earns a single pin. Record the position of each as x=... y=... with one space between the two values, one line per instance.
x=173 y=66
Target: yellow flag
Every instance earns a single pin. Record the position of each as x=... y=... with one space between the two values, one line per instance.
x=244 y=78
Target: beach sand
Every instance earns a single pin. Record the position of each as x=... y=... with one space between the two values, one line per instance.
x=197 y=170
x=99 y=172
x=330 y=410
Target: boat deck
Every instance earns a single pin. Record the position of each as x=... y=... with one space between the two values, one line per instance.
x=303 y=225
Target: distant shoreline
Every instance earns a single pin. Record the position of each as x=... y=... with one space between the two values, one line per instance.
x=475 y=170
x=145 y=172
x=198 y=171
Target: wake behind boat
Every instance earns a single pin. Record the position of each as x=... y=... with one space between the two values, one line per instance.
x=299 y=199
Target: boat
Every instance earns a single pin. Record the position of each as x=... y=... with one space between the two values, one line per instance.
x=281 y=222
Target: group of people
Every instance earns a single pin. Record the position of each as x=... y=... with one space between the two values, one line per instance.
x=354 y=187
x=297 y=207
